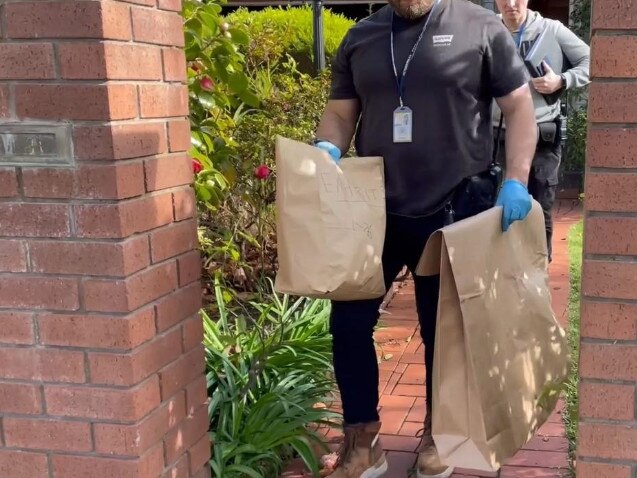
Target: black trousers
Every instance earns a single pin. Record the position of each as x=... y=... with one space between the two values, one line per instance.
x=543 y=180
x=352 y=323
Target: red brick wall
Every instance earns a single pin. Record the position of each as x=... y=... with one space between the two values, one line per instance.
x=101 y=363
x=607 y=446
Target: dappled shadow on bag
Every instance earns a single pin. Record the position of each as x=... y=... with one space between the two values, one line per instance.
x=500 y=355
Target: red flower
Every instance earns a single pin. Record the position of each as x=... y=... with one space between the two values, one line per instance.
x=196 y=166
x=262 y=172
x=207 y=84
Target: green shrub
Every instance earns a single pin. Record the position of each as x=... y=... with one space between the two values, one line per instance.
x=576 y=131
x=293 y=109
x=238 y=239
x=276 y=32
x=580 y=19
x=219 y=91
x=266 y=376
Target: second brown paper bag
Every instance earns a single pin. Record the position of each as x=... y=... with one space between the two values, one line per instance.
x=330 y=224
x=500 y=355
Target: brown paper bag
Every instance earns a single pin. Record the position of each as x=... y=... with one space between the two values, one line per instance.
x=500 y=355
x=330 y=224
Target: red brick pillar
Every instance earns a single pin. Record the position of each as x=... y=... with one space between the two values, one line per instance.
x=607 y=445
x=101 y=363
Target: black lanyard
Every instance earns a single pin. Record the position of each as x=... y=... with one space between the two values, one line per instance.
x=400 y=81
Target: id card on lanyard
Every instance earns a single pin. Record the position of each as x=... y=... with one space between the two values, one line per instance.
x=403 y=123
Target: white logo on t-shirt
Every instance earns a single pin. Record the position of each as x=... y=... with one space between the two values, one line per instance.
x=442 y=40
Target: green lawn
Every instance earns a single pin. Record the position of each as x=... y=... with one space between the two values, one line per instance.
x=575 y=257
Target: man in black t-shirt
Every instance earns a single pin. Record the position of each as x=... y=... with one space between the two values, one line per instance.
x=414 y=83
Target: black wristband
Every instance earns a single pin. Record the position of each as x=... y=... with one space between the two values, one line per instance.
x=563 y=78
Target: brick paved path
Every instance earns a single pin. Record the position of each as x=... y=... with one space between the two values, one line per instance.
x=403 y=373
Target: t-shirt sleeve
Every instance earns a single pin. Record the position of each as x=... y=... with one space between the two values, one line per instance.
x=505 y=70
x=342 y=79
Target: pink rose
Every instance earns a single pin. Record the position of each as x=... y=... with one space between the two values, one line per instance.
x=207 y=84
x=262 y=172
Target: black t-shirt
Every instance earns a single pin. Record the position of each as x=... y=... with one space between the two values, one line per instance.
x=465 y=59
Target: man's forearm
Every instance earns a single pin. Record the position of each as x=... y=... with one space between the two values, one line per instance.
x=337 y=128
x=520 y=141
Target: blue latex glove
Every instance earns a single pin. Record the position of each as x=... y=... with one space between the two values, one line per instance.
x=515 y=200
x=331 y=149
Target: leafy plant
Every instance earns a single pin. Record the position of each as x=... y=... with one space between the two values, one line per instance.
x=580 y=19
x=576 y=133
x=219 y=92
x=237 y=108
x=577 y=99
x=238 y=239
x=267 y=378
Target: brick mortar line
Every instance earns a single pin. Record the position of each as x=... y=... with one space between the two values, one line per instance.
x=613 y=342
x=596 y=126
x=630 y=424
x=80 y=276
x=613 y=171
x=7 y=2
x=604 y=461
x=40 y=312
x=132 y=24
x=12 y=104
x=100 y=162
x=607 y=80
x=105 y=82
x=101 y=421
x=42 y=399
x=79 y=39
x=610 y=32
x=3 y=440
x=36 y=329
x=29 y=260
x=124 y=122
x=91 y=240
x=3 y=22
x=611 y=258
x=65 y=311
x=61 y=418
x=602 y=381
x=611 y=214
x=609 y=300
x=87 y=454
x=75 y=241
x=57 y=70
x=126 y=161
x=89 y=40
x=87 y=367
x=49 y=463
x=89 y=312
x=93 y=350
x=92 y=202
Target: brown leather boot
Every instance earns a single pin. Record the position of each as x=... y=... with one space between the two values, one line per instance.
x=429 y=464
x=361 y=455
